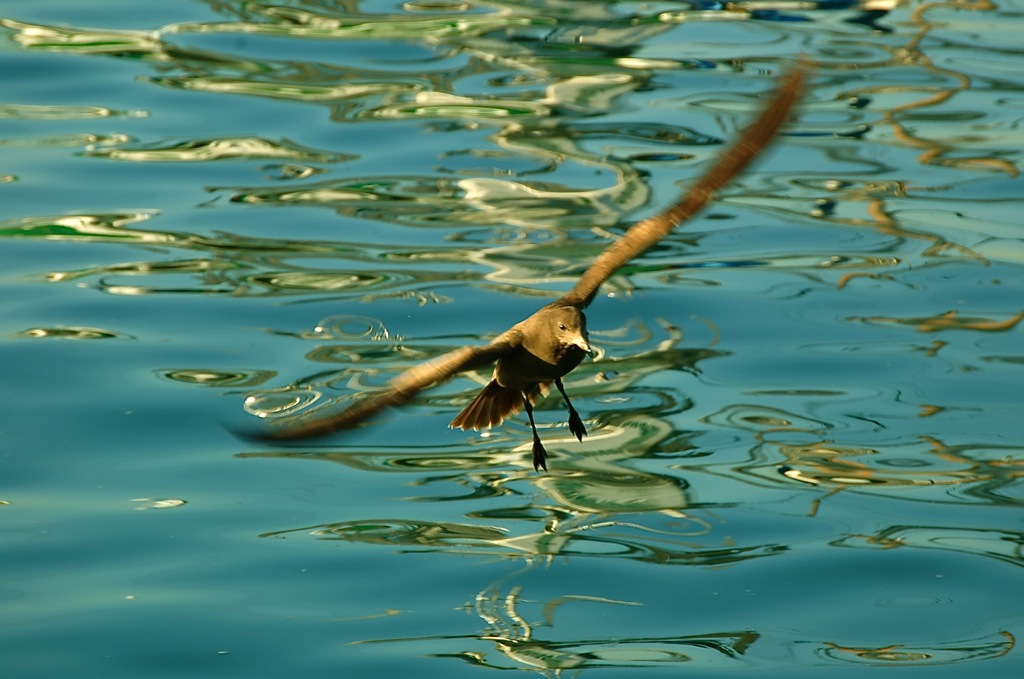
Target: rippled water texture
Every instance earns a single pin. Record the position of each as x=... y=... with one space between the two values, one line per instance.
x=805 y=414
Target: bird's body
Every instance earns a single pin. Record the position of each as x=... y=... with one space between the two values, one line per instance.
x=540 y=350
x=549 y=345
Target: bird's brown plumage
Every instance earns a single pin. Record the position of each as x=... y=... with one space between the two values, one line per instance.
x=553 y=342
x=543 y=348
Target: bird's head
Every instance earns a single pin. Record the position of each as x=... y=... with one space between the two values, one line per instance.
x=556 y=334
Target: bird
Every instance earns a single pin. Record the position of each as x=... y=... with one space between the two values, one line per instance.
x=543 y=348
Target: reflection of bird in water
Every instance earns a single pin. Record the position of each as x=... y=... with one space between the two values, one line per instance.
x=539 y=351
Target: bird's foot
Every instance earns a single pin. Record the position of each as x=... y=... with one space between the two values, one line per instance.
x=576 y=426
x=540 y=456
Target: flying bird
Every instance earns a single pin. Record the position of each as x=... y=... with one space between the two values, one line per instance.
x=540 y=350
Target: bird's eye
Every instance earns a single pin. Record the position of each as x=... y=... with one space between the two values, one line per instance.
x=561 y=326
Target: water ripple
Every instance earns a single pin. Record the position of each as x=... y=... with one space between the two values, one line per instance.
x=218 y=149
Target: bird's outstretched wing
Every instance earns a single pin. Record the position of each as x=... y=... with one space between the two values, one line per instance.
x=398 y=391
x=637 y=239
x=644 y=234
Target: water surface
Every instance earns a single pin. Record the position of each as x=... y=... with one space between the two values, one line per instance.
x=805 y=449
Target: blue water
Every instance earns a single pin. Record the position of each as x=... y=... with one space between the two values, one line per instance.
x=805 y=450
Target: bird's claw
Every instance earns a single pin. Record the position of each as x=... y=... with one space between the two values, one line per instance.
x=576 y=426
x=540 y=456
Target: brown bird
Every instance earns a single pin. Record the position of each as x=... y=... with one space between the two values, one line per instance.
x=539 y=351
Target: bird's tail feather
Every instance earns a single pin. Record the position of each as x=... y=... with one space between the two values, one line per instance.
x=492 y=405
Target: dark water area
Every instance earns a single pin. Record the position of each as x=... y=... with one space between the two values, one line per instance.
x=805 y=442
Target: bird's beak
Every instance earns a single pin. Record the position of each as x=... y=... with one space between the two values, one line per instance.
x=583 y=344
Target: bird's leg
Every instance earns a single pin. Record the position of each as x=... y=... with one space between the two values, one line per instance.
x=575 y=423
x=539 y=454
